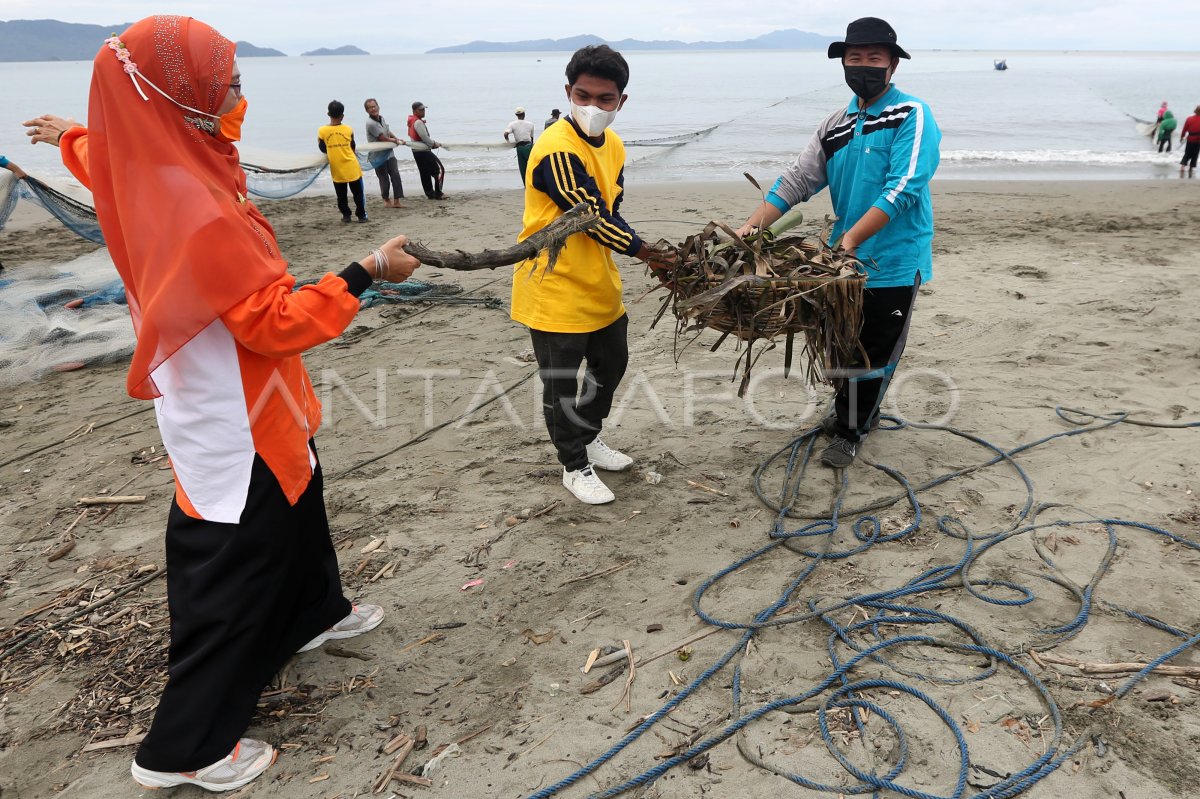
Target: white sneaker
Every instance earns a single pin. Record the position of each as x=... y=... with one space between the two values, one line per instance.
x=362 y=619
x=602 y=456
x=248 y=759
x=587 y=487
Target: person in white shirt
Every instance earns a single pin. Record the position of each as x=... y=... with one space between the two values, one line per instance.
x=522 y=135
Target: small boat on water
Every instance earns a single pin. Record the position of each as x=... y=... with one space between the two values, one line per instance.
x=1000 y=64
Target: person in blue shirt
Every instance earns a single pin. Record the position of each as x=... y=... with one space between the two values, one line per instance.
x=877 y=156
x=18 y=173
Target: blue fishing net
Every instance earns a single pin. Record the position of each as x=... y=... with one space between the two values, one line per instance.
x=79 y=217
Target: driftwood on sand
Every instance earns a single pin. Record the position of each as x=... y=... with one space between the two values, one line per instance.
x=551 y=238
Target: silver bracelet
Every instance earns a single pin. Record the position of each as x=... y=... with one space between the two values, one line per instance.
x=382 y=263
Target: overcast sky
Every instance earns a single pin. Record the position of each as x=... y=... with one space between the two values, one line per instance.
x=407 y=26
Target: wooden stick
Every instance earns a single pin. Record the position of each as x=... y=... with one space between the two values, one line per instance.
x=128 y=740
x=602 y=573
x=394 y=744
x=387 y=778
x=1118 y=668
x=536 y=745
x=130 y=500
x=429 y=639
x=442 y=747
x=607 y=660
x=553 y=237
x=626 y=695
x=709 y=489
x=412 y=779
x=671 y=649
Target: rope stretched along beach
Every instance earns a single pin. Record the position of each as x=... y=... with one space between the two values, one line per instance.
x=896 y=607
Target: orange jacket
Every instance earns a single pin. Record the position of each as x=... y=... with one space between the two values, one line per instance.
x=239 y=387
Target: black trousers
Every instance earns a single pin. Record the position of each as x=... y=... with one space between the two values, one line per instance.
x=356 y=188
x=573 y=418
x=1165 y=141
x=431 y=171
x=389 y=178
x=886 y=316
x=1191 y=150
x=243 y=598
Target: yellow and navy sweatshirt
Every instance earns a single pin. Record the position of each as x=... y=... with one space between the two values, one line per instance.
x=582 y=293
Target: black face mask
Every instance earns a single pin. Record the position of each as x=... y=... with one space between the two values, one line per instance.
x=867 y=82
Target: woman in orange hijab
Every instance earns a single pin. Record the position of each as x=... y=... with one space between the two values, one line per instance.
x=252 y=576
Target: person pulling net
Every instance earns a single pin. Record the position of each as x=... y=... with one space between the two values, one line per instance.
x=77 y=214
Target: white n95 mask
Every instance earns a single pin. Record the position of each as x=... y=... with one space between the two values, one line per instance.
x=591 y=119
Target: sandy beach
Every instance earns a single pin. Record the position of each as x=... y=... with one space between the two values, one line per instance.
x=447 y=509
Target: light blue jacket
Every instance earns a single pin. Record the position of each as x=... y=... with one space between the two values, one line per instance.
x=883 y=156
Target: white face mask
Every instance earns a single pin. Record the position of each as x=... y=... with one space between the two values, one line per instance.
x=591 y=119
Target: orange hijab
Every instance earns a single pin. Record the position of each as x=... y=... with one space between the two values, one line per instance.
x=171 y=198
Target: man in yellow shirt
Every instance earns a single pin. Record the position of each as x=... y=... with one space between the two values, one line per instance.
x=336 y=140
x=574 y=312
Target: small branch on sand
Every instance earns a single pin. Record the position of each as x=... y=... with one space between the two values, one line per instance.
x=1121 y=668
x=131 y=500
x=551 y=238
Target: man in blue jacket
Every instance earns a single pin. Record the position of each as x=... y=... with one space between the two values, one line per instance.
x=876 y=156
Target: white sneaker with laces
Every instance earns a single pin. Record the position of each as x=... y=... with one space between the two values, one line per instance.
x=248 y=759
x=362 y=619
x=602 y=456
x=587 y=487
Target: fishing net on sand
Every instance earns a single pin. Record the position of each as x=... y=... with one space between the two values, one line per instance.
x=769 y=286
x=40 y=335
x=71 y=207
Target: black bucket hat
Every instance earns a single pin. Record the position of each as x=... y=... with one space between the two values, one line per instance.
x=868 y=30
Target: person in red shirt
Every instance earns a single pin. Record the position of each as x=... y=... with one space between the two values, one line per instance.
x=1189 y=137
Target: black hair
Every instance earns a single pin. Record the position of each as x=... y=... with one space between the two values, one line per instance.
x=336 y=109
x=601 y=61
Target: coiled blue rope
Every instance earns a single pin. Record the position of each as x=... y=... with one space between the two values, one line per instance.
x=895 y=608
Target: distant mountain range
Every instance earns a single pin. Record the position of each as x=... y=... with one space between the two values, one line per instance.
x=51 y=40
x=347 y=49
x=790 y=39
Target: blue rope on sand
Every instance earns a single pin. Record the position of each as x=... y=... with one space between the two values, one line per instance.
x=896 y=608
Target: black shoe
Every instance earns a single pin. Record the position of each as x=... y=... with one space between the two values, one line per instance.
x=829 y=425
x=362 y=219
x=840 y=453
x=345 y=220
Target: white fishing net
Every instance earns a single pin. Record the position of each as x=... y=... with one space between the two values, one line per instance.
x=277 y=175
x=41 y=336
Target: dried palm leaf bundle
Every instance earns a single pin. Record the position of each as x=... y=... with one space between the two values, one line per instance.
x=769 y=286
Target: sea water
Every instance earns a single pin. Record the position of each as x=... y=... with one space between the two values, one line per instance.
x=1068 y=115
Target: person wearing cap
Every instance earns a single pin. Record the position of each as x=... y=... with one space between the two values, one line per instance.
x=877 y=156
x=522 y=136
x=429 y=166
x=554 y=117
